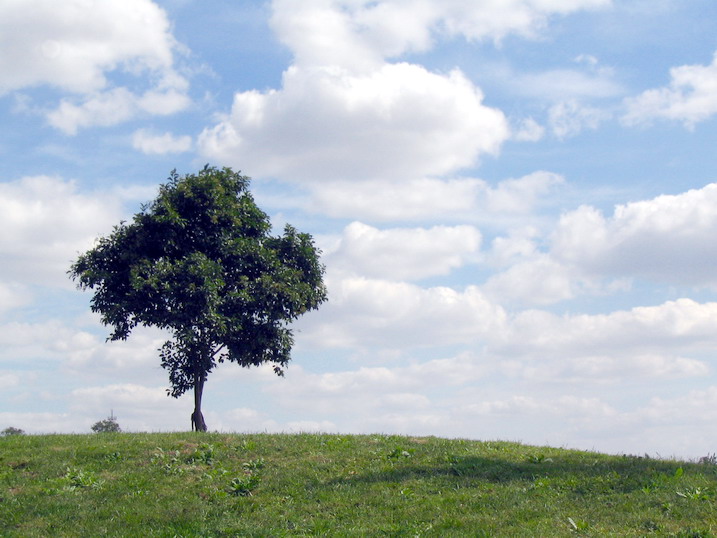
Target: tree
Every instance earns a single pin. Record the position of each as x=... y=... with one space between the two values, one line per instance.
x=200 y=262
x=11 y=430
x=108 y=425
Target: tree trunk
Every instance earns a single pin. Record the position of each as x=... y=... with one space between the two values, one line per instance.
x=198 y=423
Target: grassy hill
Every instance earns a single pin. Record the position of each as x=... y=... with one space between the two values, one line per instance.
x=190 y=484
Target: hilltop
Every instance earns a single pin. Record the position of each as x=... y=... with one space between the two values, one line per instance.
x=193 y=484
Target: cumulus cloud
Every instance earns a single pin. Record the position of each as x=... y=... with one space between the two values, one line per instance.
x=365 y=312
x=667 y=239
x=521 y=194
x=399 y=122
x=363 y=33
x=539 y=280
x=44 y=223
x=404 y=253
x=682 y=326
x=78 y=45
x=153 y=144
x=690 y=97
x=346 y=113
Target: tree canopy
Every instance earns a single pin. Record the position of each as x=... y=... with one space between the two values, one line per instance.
x=200 y=262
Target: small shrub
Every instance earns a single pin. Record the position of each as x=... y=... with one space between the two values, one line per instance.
x=11 y=431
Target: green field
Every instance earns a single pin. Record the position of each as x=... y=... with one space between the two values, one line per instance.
x=193 y=484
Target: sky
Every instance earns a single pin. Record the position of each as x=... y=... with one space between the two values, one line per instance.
x=516 y=204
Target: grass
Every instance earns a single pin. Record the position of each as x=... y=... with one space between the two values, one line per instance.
x=193 y=484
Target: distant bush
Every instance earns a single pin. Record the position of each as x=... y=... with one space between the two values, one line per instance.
x=11 y=431
x=108 y=425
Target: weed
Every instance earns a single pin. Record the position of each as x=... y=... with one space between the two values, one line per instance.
x=75 y=479
x=578 y=526
x=538 y=458
x=204 y=454
x=709 y=459
x=253 y=465
x=399 y=452
x=242 y=486
x=697 y=493
x=694 y=533
x=168 y=461
x=246 y=445
x=113 y=456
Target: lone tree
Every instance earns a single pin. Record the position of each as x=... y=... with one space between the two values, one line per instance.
x=200 y=262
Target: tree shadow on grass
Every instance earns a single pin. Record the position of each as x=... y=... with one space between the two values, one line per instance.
x=624 y=474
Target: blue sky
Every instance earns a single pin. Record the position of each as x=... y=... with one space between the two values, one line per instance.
x=516 y=204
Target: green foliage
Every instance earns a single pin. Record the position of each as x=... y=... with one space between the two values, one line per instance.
x=199 y=261
x=78 y=478
x=108 y=425
x=11 y=431
x=244 y=485
x=303 y=485
x=203 y=454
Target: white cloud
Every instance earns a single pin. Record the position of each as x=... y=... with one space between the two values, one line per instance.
x=114 y=106
x=568 y=84
x=365 y=312
x=403 y=253
x=135 y=359
x=77 y=45
x=13 y=296
x=399 y=122
x=45 y=223
x=137 y=407
x=569 y=118
x=345 y=114
x=487 y=19
x=41 y=422
x=691 y=97
x=458 y=199
x=539 y=280
x=418 y=199
x=152 y=144
x=683 y=326
x=304 y=426
x=520 y=195
x=615 y=368
x=362 y=33
x=667 y=239
x=528 y=130
x=563 y=406
x=8 y=381
x=101 y=109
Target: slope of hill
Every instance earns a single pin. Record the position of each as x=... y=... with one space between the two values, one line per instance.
x=190 y=484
